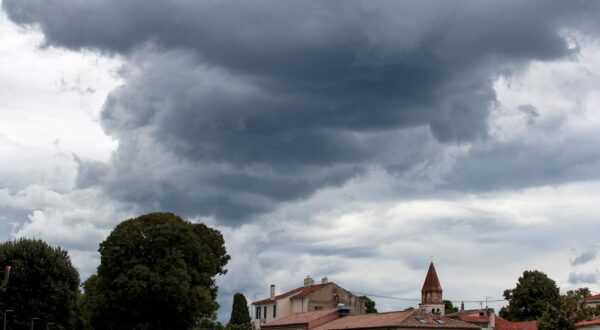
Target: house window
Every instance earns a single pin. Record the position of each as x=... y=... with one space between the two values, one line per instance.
x=318 y=308
x=265 y=312
x=258 y=313
x=274 y=311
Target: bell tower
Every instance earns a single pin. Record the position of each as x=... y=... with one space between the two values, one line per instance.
x=431 y=293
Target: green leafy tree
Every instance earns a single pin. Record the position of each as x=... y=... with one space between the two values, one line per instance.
x=567 y=310
x=449 y=307
x=43 y=284
x=369 y=305
x=529 y=299
x=156 y=272
x=209 y=324
x=240 y=316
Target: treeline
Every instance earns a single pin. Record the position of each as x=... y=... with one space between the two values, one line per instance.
x=536 y=297
x=156 y=271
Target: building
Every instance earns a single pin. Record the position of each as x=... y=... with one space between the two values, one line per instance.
x=502 y=324
x=308 y=298
x=431 y=293
x=341 y=320
x=593 y=324
x=486 y=319
x=302 y=321
x=592 y=301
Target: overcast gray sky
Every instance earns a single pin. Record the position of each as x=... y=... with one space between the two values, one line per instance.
x=348 y=139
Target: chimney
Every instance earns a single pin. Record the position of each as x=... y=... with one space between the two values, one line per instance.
x=272 y=291
x=324 y=280
x=344 y=310
x=462 y=305
x=308 y=281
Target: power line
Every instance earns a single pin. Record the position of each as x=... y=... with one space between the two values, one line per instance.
x=414 y=299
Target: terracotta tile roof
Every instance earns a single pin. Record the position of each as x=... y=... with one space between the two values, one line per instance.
x=432 y=282
x=588 y=323
x=478 y=319
x=594 y=297
x=297 y=291
x=309 y=290
x=466 y=312
x=502 y=324
x=313 y=318
x=404 y=319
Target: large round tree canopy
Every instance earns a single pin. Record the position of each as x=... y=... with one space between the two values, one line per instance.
x=43 y=284
x=156 y=272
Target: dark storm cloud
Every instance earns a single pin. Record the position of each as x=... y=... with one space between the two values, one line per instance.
x=523 y=163
x=584 y=257
x=581 y=278
x=229 y=108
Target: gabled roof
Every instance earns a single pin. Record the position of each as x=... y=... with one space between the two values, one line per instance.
x=310 y=319
x=404 y=319
x=470 y=311
x=300 y=292
x=502 y=324
x=474 y=319
x=472 y=315
x=593 y=298
x=588 y=323
x=432 y=283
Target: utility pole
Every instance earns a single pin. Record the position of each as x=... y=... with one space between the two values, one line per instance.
x=6 y=311
x=5 y=279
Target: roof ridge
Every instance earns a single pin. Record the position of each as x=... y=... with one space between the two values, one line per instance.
x=289 y=293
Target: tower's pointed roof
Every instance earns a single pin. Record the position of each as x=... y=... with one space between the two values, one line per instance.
x=432 y=283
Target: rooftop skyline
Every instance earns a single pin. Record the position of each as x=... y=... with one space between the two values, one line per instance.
x=345 y=139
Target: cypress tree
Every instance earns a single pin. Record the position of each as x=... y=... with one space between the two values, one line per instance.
x=239 y=311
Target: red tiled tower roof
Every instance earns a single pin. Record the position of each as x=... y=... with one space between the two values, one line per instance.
x=432 y=282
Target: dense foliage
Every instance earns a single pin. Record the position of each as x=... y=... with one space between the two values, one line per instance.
x=240 y=314
x=449 y=307
x=370 y=306
x=156 y=272
x=529 y=299
x=43 y=284
x=567 y=310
